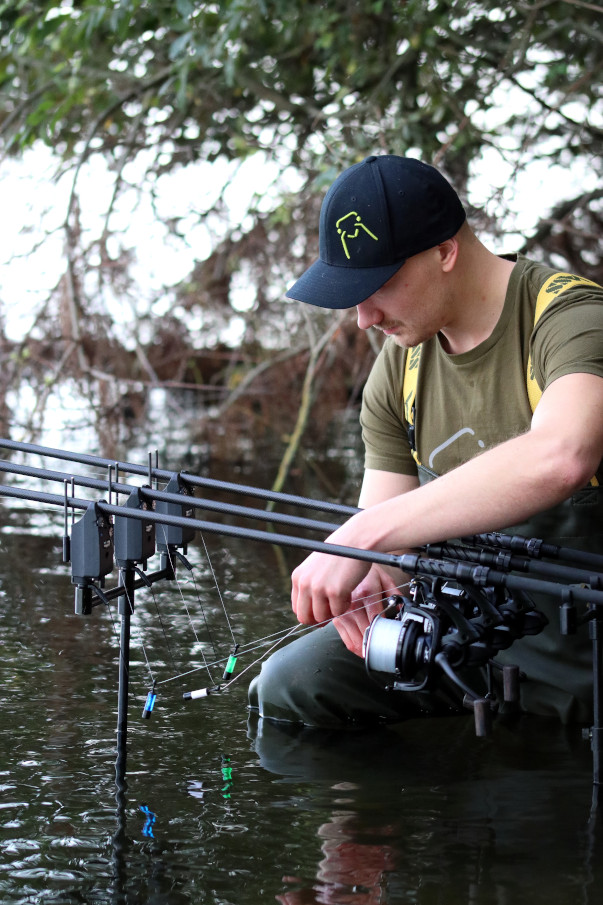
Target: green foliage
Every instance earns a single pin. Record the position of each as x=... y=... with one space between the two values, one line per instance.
x=313 y=84
x=226 y=78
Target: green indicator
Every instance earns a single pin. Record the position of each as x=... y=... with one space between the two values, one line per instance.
x=229 y=669
x=226 y=777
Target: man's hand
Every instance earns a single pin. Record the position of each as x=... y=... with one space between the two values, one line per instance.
x=322 y=586
x=368 y=601
x=354 y=603
x=326 y=587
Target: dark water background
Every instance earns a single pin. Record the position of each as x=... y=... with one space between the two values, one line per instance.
x=220 y=810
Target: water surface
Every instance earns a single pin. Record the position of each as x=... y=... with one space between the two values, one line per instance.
x=221 y=809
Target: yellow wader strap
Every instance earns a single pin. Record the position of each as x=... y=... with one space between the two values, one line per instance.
x=551 y=288
x=409 y=392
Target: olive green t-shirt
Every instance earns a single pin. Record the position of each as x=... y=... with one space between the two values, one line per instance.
x=469 y=402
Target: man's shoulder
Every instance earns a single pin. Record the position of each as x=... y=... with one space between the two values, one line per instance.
x=537 y=275
x=534 y=274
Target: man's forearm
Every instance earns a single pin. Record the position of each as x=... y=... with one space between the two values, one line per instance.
x=502 y=487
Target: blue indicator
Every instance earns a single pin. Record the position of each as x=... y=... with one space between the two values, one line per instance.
x=148 y=707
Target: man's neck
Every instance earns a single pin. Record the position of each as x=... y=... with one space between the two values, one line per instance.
x=481 y=282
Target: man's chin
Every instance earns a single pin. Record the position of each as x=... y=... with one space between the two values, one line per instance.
x=400 y=339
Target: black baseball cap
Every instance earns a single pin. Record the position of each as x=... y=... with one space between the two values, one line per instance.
x=376 y=214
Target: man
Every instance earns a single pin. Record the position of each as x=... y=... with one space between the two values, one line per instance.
x=394 y=243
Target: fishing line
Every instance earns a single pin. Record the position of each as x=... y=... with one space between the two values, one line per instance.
x=199 y=643
x=163 y=630
x=202 y=608
x=253 y=645
x=232 y=659
x=218 y=589
x=205 y=692
x=285 y=633
x=280 y=635
x=296 y=629
x=288 y=634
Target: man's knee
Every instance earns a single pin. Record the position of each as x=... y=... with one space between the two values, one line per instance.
x=294 y=684
x=317 y=682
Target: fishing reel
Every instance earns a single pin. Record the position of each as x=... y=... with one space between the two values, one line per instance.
x=443 y=628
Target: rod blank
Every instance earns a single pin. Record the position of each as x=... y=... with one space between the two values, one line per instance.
x=193 y=480
x=446 y=567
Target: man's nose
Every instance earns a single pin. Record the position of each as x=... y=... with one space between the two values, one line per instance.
x=368 y=314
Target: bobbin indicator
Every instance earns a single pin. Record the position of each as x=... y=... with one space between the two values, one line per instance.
x=149 y=704
x=201 y=693
x=230 y=664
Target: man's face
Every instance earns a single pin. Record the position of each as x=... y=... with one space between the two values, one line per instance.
x=412 y=306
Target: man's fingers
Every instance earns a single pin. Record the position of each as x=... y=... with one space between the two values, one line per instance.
x=350 y=633
x=321 y=587
x=314 y=605
x=375 y=609
x=342 y=627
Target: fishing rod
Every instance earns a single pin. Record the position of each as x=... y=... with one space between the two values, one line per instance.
x=467 y=601
x=194 y=480
x=411 y=563
x=179 y=484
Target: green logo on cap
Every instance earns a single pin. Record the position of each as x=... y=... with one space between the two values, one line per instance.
x=356 y=225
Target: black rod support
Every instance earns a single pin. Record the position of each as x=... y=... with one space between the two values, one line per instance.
x=482 y=576
x=595 y=628
x=126 y=606
x=149 y=579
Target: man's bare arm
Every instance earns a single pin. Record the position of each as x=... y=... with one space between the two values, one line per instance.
x=501 y=487
x=379 y=486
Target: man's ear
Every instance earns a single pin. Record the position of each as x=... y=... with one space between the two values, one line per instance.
x=448 y=252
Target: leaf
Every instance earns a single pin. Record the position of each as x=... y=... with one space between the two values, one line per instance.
x=178 y=46
x=185 y=8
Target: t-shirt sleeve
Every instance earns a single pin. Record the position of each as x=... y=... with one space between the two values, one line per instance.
x=382 y=415
x=568 y=338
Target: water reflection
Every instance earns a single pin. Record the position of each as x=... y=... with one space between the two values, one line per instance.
x=427 y=812
x=350 y=870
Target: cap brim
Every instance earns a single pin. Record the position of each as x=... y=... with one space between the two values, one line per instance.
x=328 y=286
